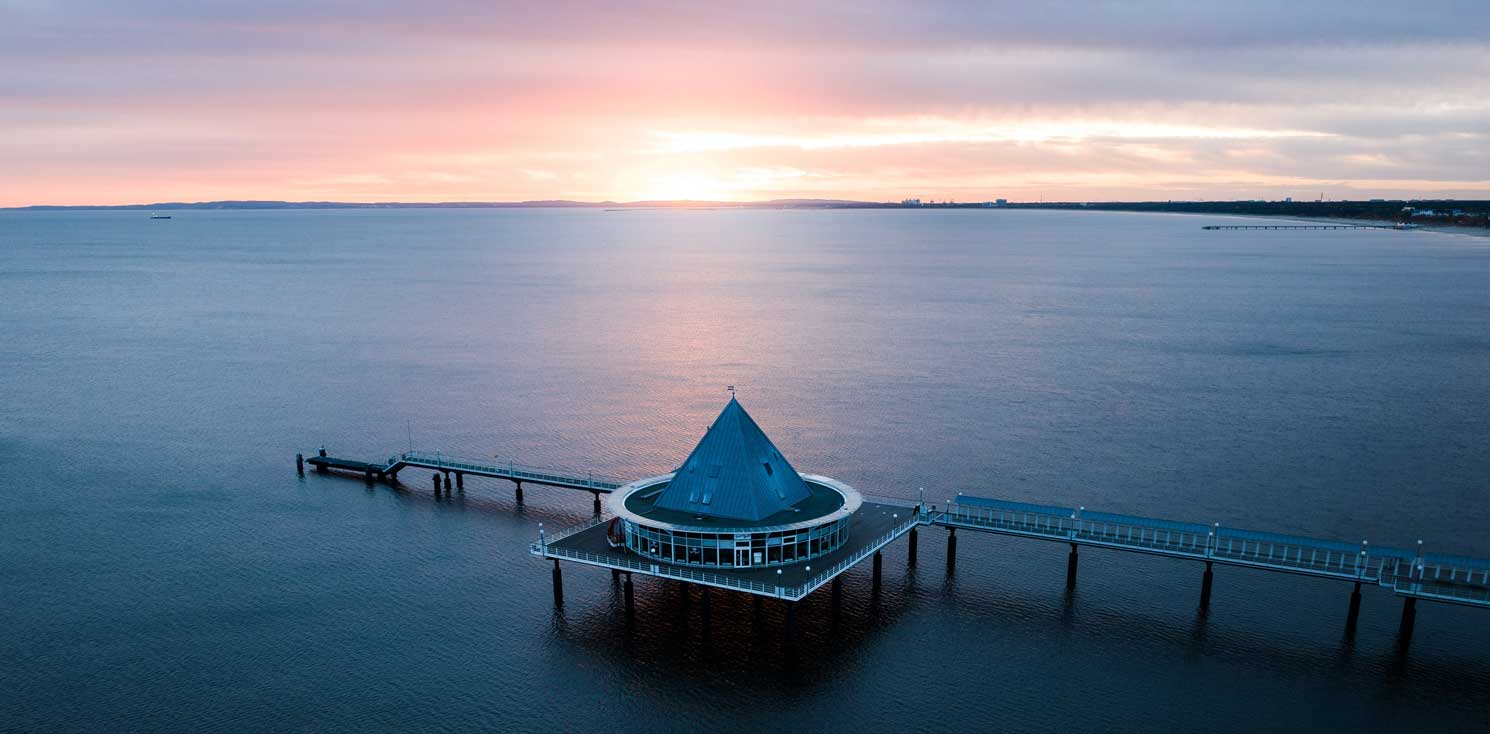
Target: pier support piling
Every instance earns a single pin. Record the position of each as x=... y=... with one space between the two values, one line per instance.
x=1352 y=616
x=615 y=574
x=437 y=484
x=1409 y=616
x=1205 y=587
x=367 y=475
x=878 y=561
x=912 y=559
x=597 y=502
x=1071 y=568
x=300 y=464
x=519 y=492
x=703 y=609
x=558 y=585
x=630 y=597
x=951 y=549
x=460 y=481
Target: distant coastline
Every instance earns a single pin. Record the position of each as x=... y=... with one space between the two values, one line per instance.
x=1455 y=213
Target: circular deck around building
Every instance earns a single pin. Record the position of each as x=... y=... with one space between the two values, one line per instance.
x=813 y=527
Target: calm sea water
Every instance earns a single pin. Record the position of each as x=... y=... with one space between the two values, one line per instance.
x=163 y=569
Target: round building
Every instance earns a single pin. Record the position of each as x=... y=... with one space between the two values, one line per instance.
x=735 y=502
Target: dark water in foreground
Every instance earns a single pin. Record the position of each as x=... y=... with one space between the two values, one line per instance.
x=162 y=568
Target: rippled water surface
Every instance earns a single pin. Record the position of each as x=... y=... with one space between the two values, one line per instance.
x=162 y=568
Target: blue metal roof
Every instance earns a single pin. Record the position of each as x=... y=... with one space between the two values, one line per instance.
x=735 y=472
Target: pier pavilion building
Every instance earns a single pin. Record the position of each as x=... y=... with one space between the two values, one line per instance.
x=734 y=503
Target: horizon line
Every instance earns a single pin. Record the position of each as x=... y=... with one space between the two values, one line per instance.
x=678 y=203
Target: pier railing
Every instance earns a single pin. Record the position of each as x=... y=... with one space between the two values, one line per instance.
x=545 y=548
x=1438 y=576
x=546 y=538
x=900 y=528
x=662 y=570
x=506 y=470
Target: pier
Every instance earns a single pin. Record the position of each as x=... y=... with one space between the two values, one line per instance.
x=1410 y=573
x=447 y=468
x=1304 y=226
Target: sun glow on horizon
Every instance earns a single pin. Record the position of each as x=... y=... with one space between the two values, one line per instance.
x=594 y=102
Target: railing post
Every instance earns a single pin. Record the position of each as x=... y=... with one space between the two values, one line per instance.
x=1415 y=570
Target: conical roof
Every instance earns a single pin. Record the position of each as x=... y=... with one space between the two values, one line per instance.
x=735 y=472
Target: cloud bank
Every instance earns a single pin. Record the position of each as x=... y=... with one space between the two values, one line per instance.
x=445 y=100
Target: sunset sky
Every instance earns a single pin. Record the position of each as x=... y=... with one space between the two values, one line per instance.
x=112 y=103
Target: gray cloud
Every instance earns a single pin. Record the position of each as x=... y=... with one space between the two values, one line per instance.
x=1397 y=93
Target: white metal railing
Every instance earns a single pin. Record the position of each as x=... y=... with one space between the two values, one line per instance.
x=508 y=469
x=545 y=548
x=1454 y=578
x=545 y=538
x=660 y=570
x=874 y=546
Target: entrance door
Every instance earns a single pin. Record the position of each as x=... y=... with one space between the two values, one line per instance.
x=742 y=557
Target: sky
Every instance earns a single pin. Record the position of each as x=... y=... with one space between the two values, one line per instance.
x=454 y=100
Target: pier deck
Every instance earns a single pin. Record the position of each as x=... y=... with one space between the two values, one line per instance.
x=874 y=526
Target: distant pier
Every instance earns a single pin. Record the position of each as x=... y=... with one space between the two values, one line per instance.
x=1305 y=226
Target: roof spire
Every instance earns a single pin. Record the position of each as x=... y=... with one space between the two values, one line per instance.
x=734 y=472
